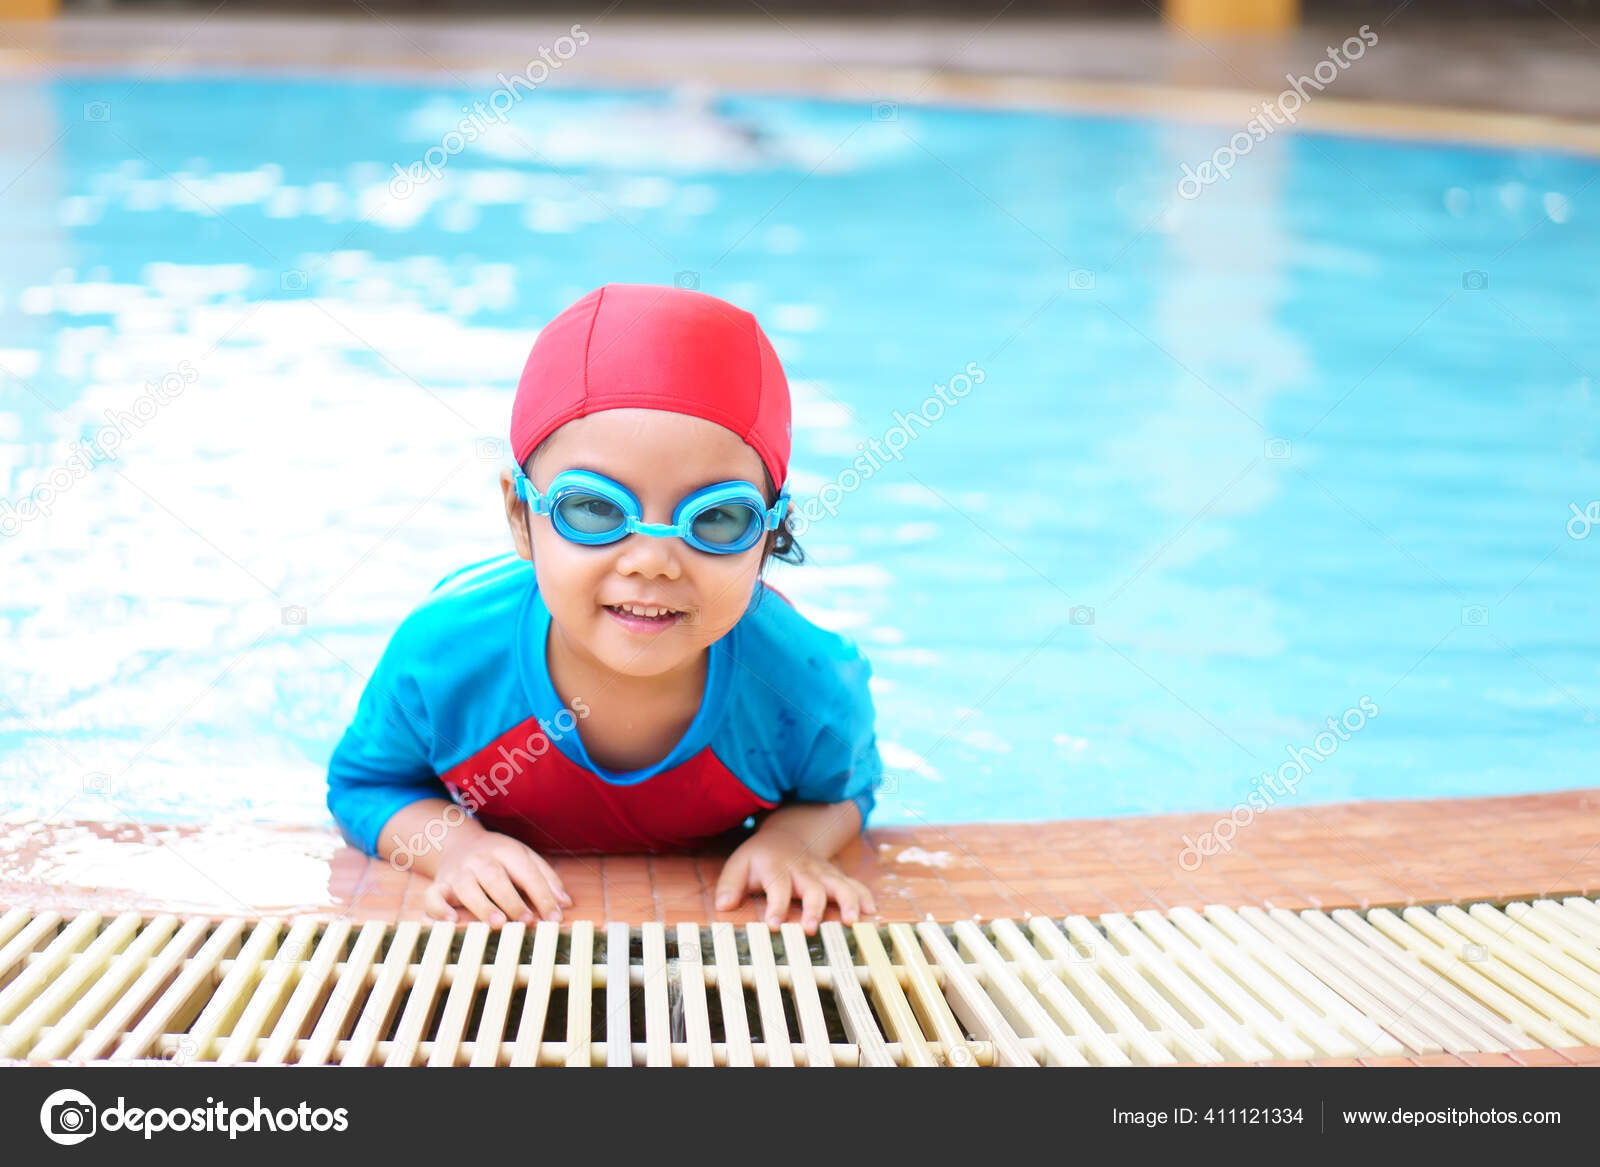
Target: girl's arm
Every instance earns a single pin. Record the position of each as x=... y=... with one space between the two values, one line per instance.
x=824 y=828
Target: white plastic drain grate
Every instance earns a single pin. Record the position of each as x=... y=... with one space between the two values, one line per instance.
x=1226 y=984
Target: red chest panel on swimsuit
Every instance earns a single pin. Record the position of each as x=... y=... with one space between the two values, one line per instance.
x=553 y=804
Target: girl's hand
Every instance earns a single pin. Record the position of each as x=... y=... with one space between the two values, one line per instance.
x=495 y=877
x=779 y=864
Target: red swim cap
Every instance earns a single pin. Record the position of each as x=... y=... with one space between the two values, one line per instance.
x=640 y=346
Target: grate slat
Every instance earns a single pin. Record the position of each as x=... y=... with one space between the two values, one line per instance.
x=1504 y=965
x=769 y=996
x=306 y=992
x=1172 y=976
x=579 y=990
x=926 y=1000
x=345 y=995
x=619 y=1011
x=55 y=995
x=1412 y=944
x=193 y=975
x=1062 y=1004
x=1148 y=988
x=730 y=988
x=1575 y=984
x=1079 y=975
x=1297 y=1026
x=807 y=1000
x=447 y=1045
x=854 y=1012
x=975 y=1008
x=658 y=1030
x=496 y=1005
x=692 y=989
x=108 y=995
x=1543 y=919
x=1125 y=973
x=274 y=981
x=1408 y=988
x=536 y=1001
x=1019 y=1006
x=1300 y=966
x=892 y=1003
x=375 y=1015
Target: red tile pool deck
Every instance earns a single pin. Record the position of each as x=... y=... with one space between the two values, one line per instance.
x=1349 y=855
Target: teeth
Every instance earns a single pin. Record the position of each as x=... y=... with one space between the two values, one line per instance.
x=642 y=610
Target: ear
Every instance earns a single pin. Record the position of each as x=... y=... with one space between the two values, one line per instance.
x=516 y=515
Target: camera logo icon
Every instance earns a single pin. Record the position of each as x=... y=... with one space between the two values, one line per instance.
x=1474 y=281
x=1475 y=616
x=294 y=614
x=292 y=281
x=1080 y=614
x=1080 y=279
x=97 y=111
x=885 y=111
x=688 y=280
x=68 y=1117
x=1278 y=449
x=490 y=449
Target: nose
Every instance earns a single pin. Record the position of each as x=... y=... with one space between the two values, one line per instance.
x=651 y=556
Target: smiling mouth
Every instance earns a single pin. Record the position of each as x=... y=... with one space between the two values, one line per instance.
x=644 y=614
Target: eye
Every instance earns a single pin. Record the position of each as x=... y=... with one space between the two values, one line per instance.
x=590 y=513
x=724 y=524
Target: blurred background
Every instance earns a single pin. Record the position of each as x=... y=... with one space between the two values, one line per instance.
x=1253 y=427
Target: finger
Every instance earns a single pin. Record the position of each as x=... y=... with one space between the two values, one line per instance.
x=844 y=890
x=730 y=884
x=435 y=904
x=503 y=892
x=778 y=893
x=552 y=879
x=813 y=901
x=473 y=899
x=530 y=876
x=864 y=893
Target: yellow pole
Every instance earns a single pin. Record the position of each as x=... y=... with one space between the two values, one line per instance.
x=1233 y=15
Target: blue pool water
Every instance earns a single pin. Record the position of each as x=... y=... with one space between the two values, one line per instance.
x=1235 y=463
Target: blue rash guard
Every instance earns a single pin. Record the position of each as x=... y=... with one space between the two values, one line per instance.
x=461 y=706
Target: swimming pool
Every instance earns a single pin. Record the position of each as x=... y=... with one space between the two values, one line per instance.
x=1223 y=468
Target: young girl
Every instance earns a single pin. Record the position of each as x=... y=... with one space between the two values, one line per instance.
x=625 y=681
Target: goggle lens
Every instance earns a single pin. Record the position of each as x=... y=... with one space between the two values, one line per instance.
x=590 y=514
x=726 y=525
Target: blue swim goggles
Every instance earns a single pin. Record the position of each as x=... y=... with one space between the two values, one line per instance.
x=722 y=519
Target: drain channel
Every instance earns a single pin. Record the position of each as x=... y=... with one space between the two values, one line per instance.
x=1151 y=988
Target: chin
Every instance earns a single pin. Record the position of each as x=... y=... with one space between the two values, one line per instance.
x=635 y=657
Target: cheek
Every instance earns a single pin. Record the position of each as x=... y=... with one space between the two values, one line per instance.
x=726 y=588
x=566 y=572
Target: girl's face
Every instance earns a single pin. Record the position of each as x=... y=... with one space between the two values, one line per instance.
x=662 y=458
